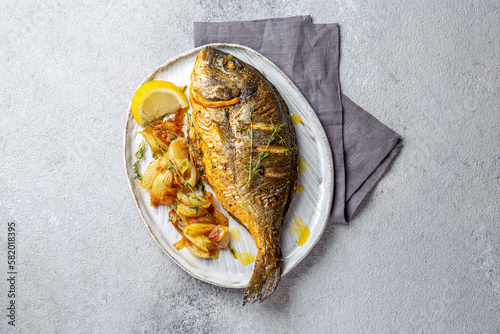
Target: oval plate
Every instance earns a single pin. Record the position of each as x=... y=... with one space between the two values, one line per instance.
x=312 y=205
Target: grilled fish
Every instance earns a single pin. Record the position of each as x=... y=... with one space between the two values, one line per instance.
x=244 y=142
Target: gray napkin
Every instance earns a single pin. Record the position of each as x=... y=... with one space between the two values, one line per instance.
x=308 y=54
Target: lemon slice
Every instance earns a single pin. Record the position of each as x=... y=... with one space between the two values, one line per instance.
x=155 y=99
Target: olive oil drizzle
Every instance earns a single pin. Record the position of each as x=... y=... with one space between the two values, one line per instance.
x=301 y=231
x=244 y=258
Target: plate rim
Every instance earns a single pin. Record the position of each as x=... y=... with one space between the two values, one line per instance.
x=310 y=110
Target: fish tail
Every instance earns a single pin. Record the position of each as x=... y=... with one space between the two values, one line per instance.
x=266 y=276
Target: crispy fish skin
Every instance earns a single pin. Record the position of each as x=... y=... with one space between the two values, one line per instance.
x=231 y=102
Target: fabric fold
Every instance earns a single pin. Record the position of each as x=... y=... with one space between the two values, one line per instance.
x=308 y=53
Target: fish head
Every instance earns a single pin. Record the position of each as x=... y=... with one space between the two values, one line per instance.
x=218 y=75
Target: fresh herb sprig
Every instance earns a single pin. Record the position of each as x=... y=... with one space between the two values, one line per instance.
x=276 y=129
x=139 y=155
x=190 y=120
x=202 y=187
x=258 y=166
x=158 y=128
x=186 y=184
x=254 y=169
x=250 y=151
x=196 y=208
x=190 y=188
x=191 y=125
x=158 y=144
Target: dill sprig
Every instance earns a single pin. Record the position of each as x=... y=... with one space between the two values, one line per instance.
x=139 y=155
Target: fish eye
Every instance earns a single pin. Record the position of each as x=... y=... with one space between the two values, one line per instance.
x=229 y=62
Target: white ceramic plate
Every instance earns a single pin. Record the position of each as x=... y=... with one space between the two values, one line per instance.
x=312 y=206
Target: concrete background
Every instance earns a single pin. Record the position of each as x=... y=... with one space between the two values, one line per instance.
x=421 y=255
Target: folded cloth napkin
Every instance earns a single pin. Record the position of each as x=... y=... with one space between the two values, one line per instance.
x=308 y=54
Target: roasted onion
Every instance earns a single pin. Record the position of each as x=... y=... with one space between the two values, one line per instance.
x=172 y=179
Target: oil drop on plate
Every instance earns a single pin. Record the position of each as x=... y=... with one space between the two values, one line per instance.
x=302 y=165
x=234 y=233
x=296 y=119
x=244 y=258
x=299 y=229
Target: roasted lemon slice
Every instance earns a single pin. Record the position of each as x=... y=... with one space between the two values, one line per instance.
x=155 y=99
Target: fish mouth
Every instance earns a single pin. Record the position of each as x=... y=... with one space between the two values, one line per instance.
x=217 y=58
x=207 y=54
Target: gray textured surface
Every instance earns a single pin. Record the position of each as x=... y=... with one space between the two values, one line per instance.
x=422 y=254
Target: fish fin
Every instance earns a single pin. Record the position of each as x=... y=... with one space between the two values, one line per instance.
x=265 y=278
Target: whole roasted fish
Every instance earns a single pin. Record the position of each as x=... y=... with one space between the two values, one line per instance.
x=243 y=140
